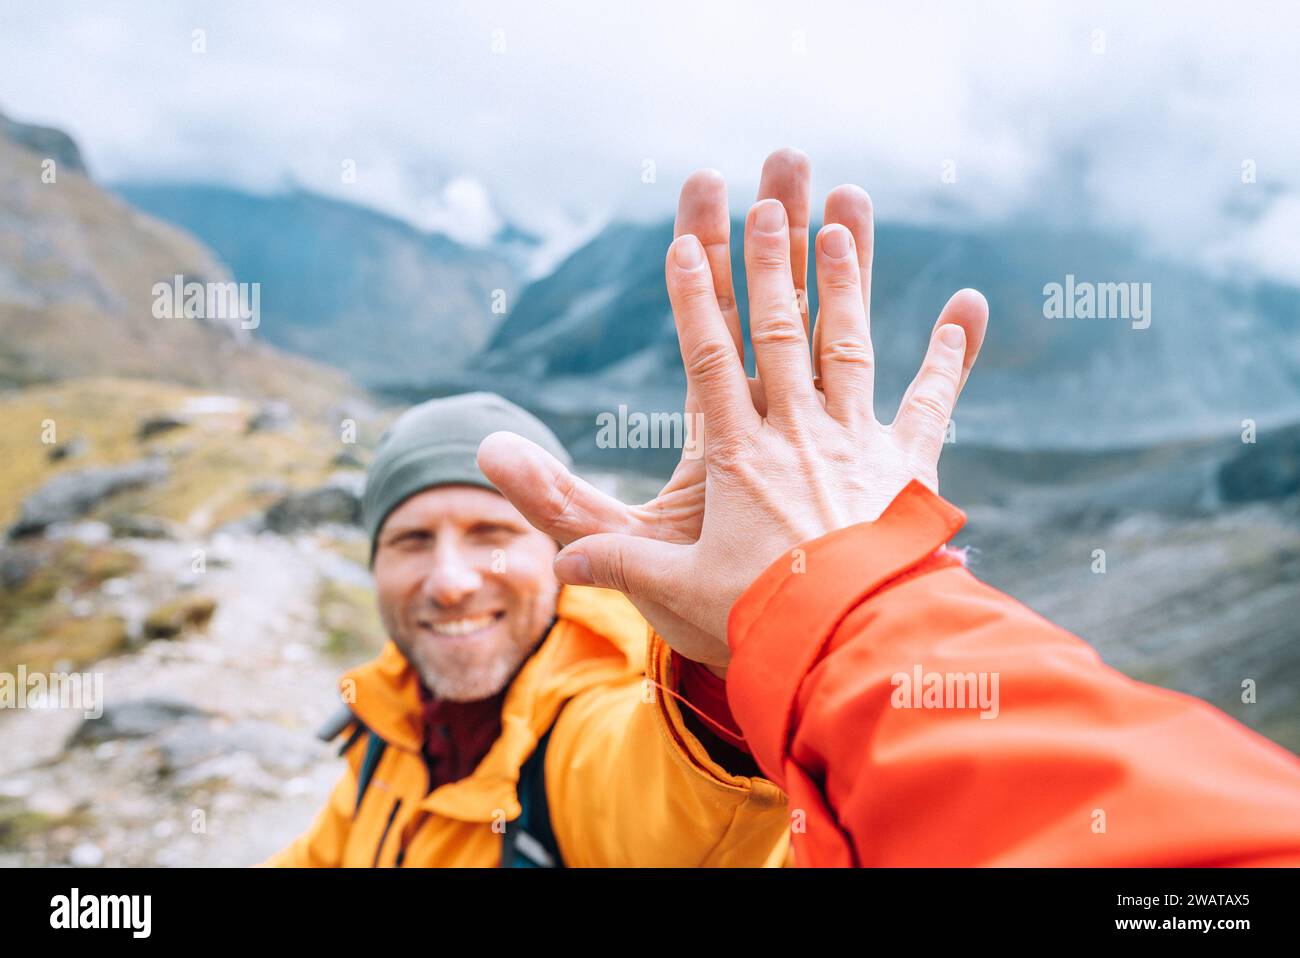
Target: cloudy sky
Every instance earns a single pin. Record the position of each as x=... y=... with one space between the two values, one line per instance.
x=460 y=116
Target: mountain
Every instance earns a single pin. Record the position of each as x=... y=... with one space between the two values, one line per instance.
x=78 y=269
x=344 y=284
x=45 y=140
x=598 y=332
x=518 y=246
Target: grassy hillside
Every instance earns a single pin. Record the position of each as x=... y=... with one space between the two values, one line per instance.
x=216 y=463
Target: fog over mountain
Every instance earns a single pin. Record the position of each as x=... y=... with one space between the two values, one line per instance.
x=382 y=171
x=460 y=117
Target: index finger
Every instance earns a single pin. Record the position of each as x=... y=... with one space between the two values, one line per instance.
x=714 y=373
x=702 y=211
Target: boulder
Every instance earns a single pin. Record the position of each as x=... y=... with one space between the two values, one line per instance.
x=73 y=494
x=134 y=719
x=1267 y=469
x=347 y=459
x=172 y=618
x=156 y=425
x=16 y=566
x=68 y=450
x=328 y=504
x=271 y=416
x=45 y=141
x=194 y=747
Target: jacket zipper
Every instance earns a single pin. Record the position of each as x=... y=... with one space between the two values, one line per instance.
x=415 y=824
x=384 y=837
x=409 y=834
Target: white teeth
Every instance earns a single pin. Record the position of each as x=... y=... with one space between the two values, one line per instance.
x=463 y=626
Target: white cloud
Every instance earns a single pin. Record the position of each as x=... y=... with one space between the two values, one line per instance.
x=1268 y=247
x=552 y=133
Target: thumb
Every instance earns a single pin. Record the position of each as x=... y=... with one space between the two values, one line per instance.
x=550 y=497
x=630 y=564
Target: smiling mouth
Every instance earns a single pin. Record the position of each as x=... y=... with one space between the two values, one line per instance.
x=462 y=626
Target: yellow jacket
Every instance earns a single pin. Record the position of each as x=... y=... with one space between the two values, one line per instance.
x=627 y=783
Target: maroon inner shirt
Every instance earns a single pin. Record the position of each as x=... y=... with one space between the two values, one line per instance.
x=458 y=734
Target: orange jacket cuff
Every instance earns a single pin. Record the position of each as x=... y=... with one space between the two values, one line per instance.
x=816 y=585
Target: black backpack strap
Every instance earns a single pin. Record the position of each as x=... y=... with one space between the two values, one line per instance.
x=529 y=841
x=369 y=762
x=334 y=725
x=358 y=730
x=338 y=723
x=341 y=721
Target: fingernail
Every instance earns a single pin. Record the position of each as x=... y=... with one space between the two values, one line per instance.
x=835 y=242
x=687 y=252
x=952 y=336
x=573 y=567
x=770 y=216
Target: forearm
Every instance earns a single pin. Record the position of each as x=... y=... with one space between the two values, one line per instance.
x=1025 y=750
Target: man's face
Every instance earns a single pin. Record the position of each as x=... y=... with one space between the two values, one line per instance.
x=466 y=588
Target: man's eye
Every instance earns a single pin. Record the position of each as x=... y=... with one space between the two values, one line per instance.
x=412 y=540
x=493 y=533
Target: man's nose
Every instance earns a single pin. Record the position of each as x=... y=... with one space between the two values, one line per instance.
x=452 y=578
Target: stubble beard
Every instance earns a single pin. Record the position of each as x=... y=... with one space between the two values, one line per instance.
x=469 y=672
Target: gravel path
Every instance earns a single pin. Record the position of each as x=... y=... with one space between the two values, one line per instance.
x=228 y=786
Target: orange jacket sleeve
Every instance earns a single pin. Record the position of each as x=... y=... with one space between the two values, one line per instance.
x=916 y=716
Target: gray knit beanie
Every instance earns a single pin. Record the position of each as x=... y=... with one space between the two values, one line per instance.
x=434 y=444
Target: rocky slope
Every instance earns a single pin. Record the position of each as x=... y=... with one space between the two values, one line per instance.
x=77 y=274
x=1198 y=584
x=218 y=597
x=178 y=501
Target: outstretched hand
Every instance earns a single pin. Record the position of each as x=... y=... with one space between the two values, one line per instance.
x=782 y=463
x=564 y=506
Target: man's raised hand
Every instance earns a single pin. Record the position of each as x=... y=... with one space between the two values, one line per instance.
x=781 y=464
x=567 y=508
